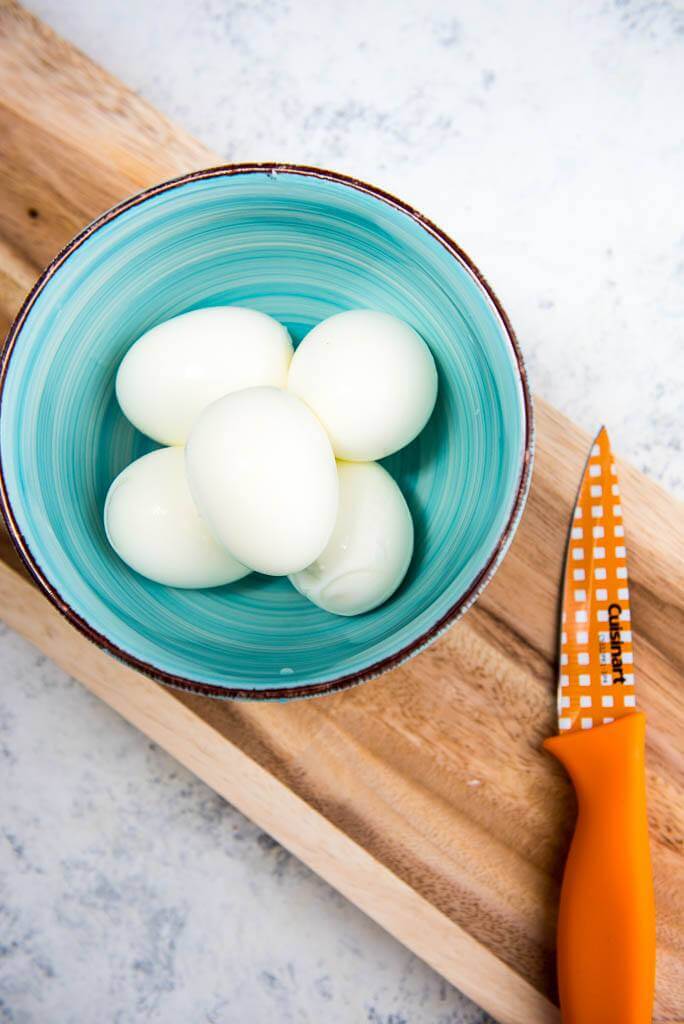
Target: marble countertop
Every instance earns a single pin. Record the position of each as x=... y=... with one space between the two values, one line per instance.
x=547 y=139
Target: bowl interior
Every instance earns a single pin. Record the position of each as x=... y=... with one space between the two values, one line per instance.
x=300 y=248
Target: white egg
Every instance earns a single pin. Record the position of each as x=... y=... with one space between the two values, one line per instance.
x=263 y=474
x=183 y=365
x=370 y=379
x=154 y=526
x=371 y=546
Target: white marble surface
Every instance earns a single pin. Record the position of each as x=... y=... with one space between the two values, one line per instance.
x=547 y=139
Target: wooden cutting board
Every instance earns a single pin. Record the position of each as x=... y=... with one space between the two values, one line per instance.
x=422 y=796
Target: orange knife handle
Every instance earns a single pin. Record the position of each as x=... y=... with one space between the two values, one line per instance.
x=606 y=922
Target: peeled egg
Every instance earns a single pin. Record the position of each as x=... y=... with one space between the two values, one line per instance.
x=154 y=526
x=369 y=378
x=182 y=365
x=262 y=472
x=371 y=546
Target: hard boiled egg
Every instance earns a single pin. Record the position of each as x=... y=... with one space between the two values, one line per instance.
x=182 y=365
x=154 y=526
x=369 y=378
x=371 y=546
x=262 y=472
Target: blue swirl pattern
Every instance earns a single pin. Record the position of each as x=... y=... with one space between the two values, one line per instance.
x=300 y=248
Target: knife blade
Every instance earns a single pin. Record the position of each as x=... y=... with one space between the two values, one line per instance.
x=606 y=921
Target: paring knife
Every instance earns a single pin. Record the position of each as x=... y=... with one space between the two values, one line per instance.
x=606 y=923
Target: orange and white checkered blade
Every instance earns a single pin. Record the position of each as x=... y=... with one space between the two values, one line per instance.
x=596 y=682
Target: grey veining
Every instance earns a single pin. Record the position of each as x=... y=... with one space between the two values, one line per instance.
x=547 y=139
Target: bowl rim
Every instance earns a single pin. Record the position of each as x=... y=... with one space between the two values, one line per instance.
x=436 y=629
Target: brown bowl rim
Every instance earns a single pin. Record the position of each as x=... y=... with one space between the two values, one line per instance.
x=385 y=664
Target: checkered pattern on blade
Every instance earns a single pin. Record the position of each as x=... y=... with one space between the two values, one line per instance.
x=596 y=653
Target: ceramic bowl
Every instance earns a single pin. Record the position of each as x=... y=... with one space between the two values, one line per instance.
x=300 y=244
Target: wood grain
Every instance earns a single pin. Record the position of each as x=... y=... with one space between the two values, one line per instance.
x=414 y=795
x=275 y=807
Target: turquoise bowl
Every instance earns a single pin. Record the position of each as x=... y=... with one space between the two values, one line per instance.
x=300 y=244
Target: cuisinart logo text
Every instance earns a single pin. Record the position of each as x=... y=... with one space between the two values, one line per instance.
x=614 y=613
